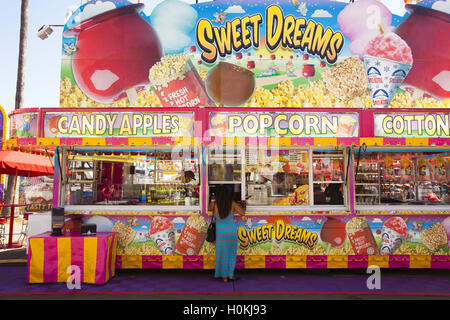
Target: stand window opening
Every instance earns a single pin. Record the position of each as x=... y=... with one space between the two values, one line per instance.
x=153 y=177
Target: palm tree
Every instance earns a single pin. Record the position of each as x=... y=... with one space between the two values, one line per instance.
x=19 y=86
x=22 y=54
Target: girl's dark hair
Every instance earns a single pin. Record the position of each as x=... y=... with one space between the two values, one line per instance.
x=224 y=198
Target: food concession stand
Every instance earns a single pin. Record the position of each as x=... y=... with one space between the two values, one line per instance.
x=330 y=177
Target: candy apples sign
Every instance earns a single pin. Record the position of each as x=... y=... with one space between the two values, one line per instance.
x=118 y=124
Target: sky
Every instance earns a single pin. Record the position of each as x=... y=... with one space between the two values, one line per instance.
x=43 y=57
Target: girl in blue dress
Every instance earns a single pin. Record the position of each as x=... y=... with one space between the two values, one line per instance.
x=224 y=208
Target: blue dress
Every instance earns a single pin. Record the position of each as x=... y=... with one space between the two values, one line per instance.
x=226 y=246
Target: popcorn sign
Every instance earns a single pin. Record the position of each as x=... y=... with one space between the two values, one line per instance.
x=289 y=124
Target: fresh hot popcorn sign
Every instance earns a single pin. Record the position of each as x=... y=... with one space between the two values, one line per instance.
x=287 y=124
x=253 y=53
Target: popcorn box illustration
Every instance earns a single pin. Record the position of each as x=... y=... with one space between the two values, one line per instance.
x=361 y=237
x=178 y=84
x=192 y=236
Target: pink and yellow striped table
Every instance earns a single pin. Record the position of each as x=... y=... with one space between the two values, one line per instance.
x=49 y=258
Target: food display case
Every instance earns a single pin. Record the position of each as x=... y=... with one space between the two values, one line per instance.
x=367 y=181
x=394 y=177
x=155 y=177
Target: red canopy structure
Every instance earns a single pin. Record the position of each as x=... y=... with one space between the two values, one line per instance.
x=23 y=164
x=16 y=163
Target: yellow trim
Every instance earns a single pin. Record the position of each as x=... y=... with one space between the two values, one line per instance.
x=240 y=141
x=380 y=261
x=11 y=143
x=421 y=262
x=371 y=141
x=108 y=251
x=325 y=142
x=280 y=142
x=185 y=141
x=172 y=262
x=90 y=259
x=255 y=262
x=417 y=141
x=36 y=267
x=131 y=262
x=94 y=141
x=296 y=262
x=64 y=258
x=140 y=141
x=4 y=137
x=337 y=262
x=230 y=141
x=5 y=124
x=209 y=262
x=13 y=261
x=48 y=141
x=114 y=254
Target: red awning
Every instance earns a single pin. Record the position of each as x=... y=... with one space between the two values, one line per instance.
x=25 y=164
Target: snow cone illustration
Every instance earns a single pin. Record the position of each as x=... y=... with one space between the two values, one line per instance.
x=387 y=60
x=393 y=233
x=162 y=233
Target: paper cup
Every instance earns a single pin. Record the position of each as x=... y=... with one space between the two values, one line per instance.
x=384 y=77
x=390 y=240
x=346 y=126
x=165 y=241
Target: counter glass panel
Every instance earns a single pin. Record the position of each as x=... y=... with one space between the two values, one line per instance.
x=402 y=178
x=151 y=177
